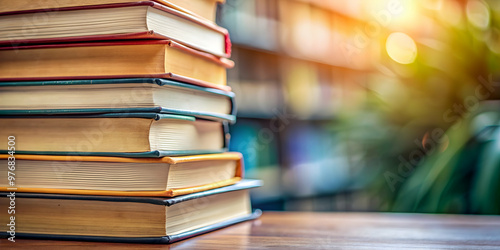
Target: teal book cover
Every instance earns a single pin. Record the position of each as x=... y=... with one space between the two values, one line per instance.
x=129 y=95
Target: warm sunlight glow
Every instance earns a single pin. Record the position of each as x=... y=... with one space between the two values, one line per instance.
x=393 y=13
x=451 y=12
x=409 y=16
x=401 y=48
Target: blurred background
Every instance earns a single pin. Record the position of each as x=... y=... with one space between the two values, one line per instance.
x=368 y=105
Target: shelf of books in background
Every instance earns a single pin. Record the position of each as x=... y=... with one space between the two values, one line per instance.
x=298 y=67
x=120 y=131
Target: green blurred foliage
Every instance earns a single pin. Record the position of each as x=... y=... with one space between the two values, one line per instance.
x=410 y=106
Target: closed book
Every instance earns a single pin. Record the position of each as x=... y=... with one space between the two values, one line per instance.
x=134 y=20
x=116 y=59
x=119 y=176
x=114 y=134
x=133 y=95
x=200 y=8
x=127 y=219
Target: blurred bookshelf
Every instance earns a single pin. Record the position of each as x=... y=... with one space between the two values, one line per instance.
x=332 y=94
x=294 y=73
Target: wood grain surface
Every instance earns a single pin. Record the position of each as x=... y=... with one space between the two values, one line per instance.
x=286 y=230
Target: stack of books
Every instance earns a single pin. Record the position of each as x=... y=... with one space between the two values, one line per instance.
x=113 y=121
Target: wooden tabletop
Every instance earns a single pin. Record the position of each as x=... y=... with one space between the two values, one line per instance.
x=282 y=230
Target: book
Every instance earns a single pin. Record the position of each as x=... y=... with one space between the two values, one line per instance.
x=256 y=82
x=114 y=134
x=253 y=23
x=124 y=59
x=261 y=160
x=128 y=219
x=318 y=99
x=118 y=176
x=133 y=20
x=200 y=8
x=129 y=95
x=311 y=149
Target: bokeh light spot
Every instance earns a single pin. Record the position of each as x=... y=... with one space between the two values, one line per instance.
x=401 y=48
x=478 y=13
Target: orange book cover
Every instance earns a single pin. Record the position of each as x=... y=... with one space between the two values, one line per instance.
x=229 y=156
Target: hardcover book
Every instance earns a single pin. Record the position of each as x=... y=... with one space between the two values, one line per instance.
x=118 y=59
x=133 y=95
x=114 y=134
x=133 y=20
x=118 y=176
x=200 y=8
x=128 y=219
